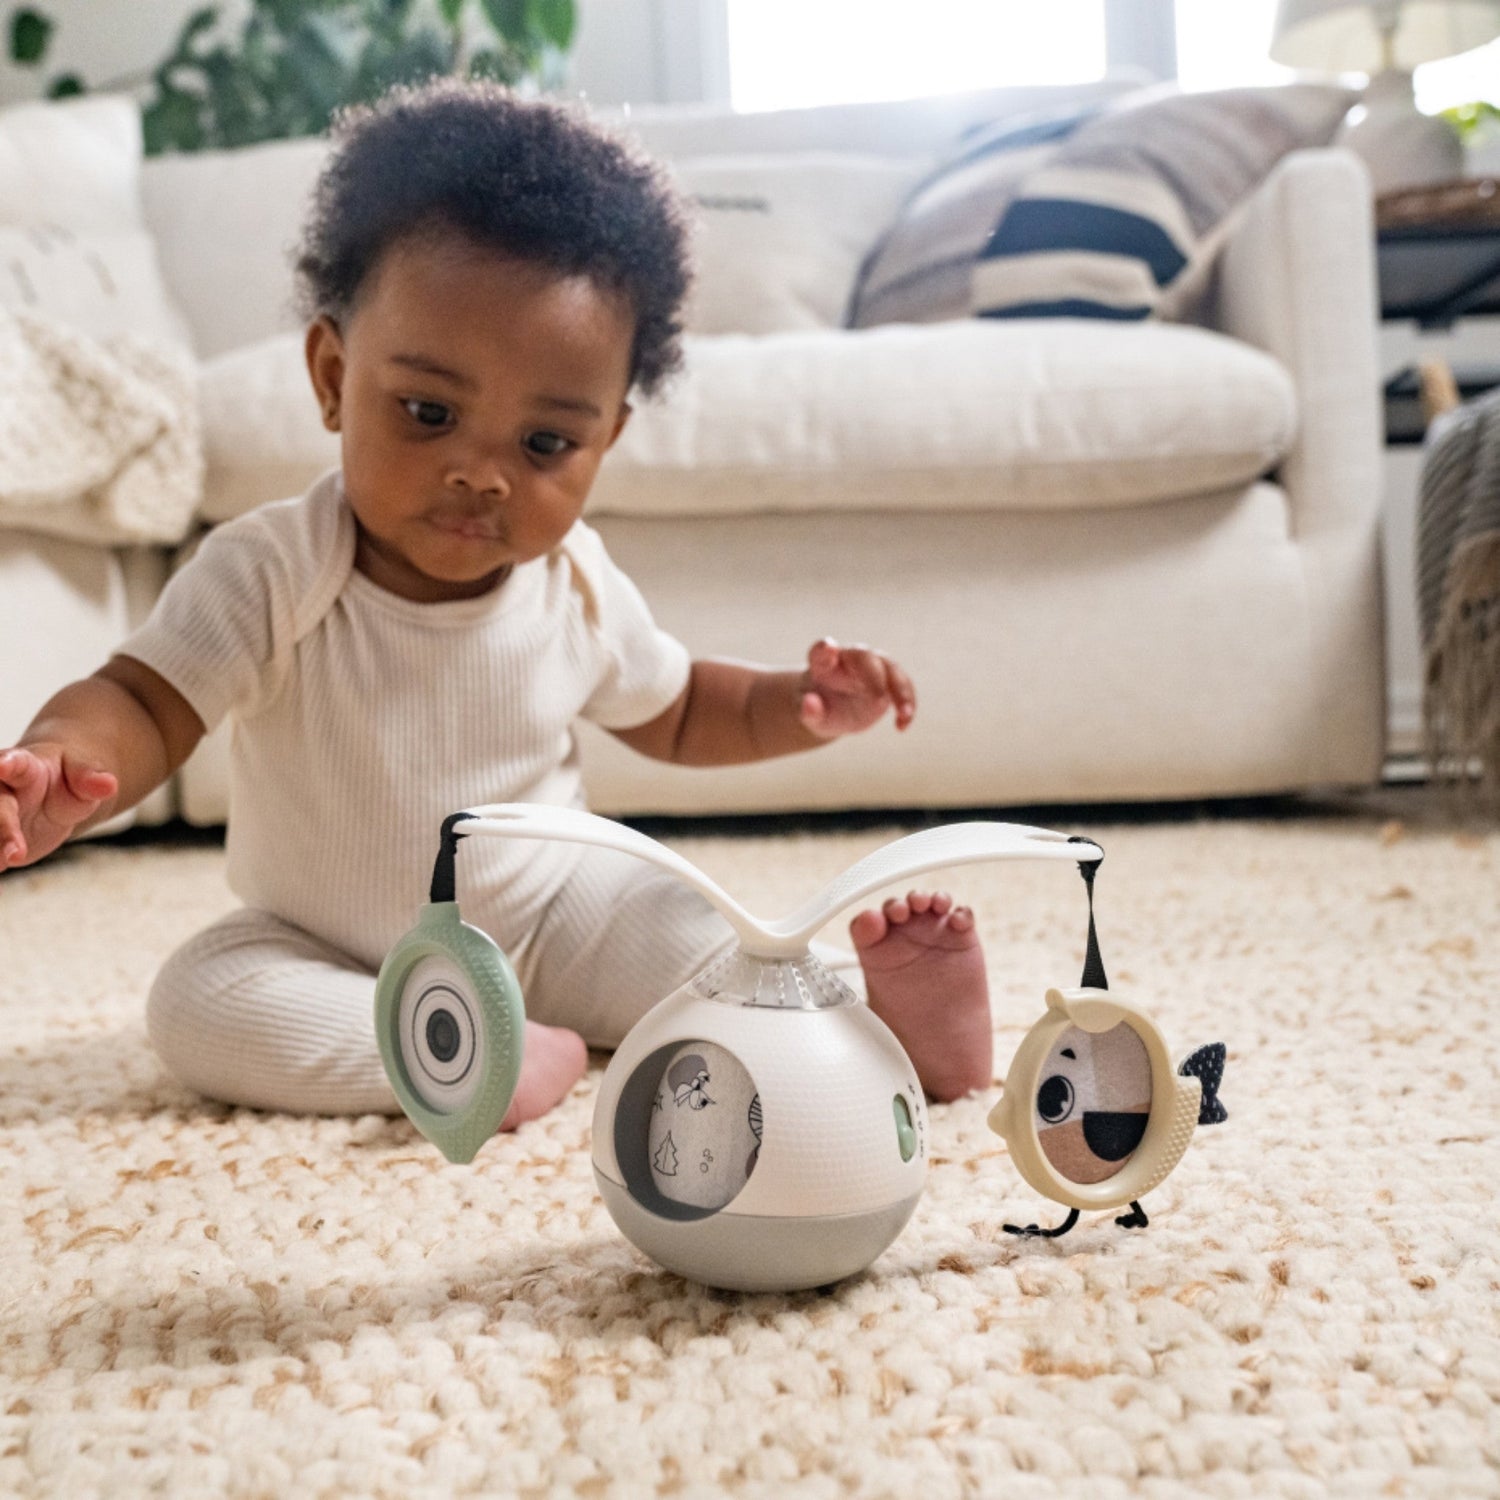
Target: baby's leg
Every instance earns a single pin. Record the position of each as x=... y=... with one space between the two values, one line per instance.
x=257 y=1012
x=924 y=971
x=617 y=937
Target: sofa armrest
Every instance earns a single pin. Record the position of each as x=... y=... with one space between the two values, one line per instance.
x=1297 y=279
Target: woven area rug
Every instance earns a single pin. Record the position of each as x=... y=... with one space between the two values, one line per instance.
x=203 y=1302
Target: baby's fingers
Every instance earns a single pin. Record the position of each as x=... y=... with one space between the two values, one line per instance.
x=87 y=784
x=12 y=840
x=22 y=772
x=814 y=714
x=880 y=678
x=845 y=669
x=903 y=694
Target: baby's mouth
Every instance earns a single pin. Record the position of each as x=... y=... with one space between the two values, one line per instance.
x=487 y=527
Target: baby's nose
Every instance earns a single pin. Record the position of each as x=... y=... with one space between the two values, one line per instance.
x=479 y=476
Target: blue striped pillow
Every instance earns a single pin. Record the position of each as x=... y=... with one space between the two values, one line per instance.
x=1116 y=217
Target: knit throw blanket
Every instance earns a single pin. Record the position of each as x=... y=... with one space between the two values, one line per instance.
x=100 y=440
x=1458 y=584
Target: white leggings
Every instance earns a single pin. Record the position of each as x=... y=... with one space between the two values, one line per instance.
x=257 y=1012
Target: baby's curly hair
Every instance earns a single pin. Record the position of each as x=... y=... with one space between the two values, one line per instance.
x=529 y=179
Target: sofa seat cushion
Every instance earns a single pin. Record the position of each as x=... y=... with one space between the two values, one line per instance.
x=1056 y=414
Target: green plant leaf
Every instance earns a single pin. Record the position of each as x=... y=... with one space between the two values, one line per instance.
x=422 y=55
x=30 y=32
x=1472 y=120
x=65 y=86
x=556 y=19
x=192 y=28
x=511 y=19
x=173 y=121
x=294 y=62
x=489 y=62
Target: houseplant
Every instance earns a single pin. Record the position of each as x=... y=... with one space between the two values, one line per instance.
x=293 y=62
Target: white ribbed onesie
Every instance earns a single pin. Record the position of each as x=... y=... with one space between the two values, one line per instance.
x=361 y=720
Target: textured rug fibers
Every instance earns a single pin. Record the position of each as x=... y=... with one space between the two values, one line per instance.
x=199 y=1301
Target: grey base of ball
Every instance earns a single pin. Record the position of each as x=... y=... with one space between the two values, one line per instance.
x=751 y=1253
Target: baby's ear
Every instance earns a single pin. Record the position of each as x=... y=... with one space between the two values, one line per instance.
x=625 y=410
x=324 y=350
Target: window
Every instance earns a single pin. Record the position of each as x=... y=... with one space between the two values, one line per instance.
x=787 y=53
x=1459 y=80
x=1223 y=46
x=1228 y=46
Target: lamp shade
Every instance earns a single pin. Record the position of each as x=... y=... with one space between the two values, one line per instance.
x=1346 y=35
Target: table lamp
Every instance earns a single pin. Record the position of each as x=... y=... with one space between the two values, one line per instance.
x=1387 y=39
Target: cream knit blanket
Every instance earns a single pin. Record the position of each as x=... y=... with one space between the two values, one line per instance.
x=100 y=440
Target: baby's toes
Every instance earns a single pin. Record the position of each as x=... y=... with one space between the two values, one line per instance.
x=896 y=911
x=867 y=929
x=919 y=901
x=961 y=919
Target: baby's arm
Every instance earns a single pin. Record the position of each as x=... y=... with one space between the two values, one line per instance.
x=732 y=712
x=97 y=747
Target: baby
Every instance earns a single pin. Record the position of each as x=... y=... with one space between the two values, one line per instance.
x=487 y=280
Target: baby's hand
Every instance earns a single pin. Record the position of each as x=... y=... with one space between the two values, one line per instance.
x=847 y=688
x=45 y=793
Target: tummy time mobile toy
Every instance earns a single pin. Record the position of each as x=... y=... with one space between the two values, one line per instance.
x=760 y=1128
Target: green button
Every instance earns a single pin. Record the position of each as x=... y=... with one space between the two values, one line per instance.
x=906 y=1135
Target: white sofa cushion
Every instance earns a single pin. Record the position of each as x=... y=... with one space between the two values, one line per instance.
x=262 y=436
x=778 y=240
x=1058 y=414
x=227 y=224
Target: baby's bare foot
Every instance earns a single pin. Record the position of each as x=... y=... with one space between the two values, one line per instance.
x=924 y=971
x=553 y=1061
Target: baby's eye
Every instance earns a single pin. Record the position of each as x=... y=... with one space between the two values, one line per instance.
x=547 y=444
x=428 y=413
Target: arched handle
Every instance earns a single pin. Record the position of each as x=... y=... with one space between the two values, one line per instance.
x=931 y=849
x=788 y=937
x=536 y=820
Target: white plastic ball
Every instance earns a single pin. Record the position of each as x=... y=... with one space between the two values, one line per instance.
x=838 y=1166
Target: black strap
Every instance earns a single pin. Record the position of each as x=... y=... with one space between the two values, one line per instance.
x=444 y=885
x=1093 y=965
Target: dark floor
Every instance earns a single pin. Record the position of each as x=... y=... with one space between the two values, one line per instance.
x=1413 y=802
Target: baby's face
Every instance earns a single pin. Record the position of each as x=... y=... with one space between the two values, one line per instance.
x=476 y=396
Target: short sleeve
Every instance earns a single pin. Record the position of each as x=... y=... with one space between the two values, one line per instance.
x=225 y=625
x=644 y=668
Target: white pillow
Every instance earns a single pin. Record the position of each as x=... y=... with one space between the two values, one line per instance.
x=778 y=239
x=263 y=436
x=73 y=240
x=100 y=284
x=76 y=162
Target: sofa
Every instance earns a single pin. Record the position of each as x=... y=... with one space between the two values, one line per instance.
x=1121 y=560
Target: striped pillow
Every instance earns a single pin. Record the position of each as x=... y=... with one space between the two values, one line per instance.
x=1081 y=242
x=920 y=269
x=1116 y=219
